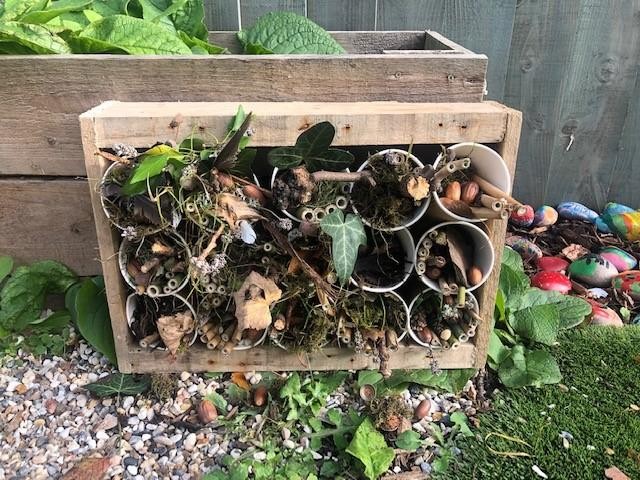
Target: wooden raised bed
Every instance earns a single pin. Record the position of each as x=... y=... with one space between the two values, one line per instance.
x=278 y=124
x=43 y=95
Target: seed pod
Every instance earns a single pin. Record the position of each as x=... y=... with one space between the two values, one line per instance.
x=426 y=335
x=225 y=180
x=260 y=395
x=453 y=191
x=423 y=408
x=470 y=191
x=207 y=412
x=474 y=276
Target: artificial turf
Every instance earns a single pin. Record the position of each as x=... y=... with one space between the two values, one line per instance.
x=601 y=382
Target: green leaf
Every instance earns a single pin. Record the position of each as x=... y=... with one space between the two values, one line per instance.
x=461 y=420
x=287 y=32
x=132 y=35
x=513 y=283
x=243 y=165
x=330 y=469
x=539 y=323
x=368 y=446
x=108 y=8
x=120 y=384
x=216 y=475
x=23 y=295
x=512 y=259
x=206 y=47
x=6 y=265
x=54 y=10
x=369 y=377
x=155 y=11
x=333 y=160
x=237 y=120
x=92 y=16
x=497 y=352
x=571 y=310
x=235 y=394
x=190 y=19
x=14 y=9
x=93 y=319
x=526 y=367
x=347 y=235
x=449 y=380
x=53 y=323
x=68 y=22
x=315 y=140
x=218 y=400
x=239 y=471
x=284 y=157
x=409 y=440
x=36 y=38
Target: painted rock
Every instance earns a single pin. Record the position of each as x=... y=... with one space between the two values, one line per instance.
x=636 y=320
x=526 y=248
x=597 y=293
x=576 y=211
x=602 y=226
x=552 y=264
x=619 y=258
x=625 y=225
x=629 y=283
x=522 y=216
x=593 y=270
x=613 y=208
x=554 y=281
x=604 y=316
x=545 y=216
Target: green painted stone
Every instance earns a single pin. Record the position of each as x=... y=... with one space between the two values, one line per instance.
x=629 y=283
x=593 y=270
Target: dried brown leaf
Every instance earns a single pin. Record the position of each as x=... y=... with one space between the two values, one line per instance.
x=253 y=303
x=232 y=210
x=89 y=468
x=173 y=328
x=574 y=251
x=240 y=380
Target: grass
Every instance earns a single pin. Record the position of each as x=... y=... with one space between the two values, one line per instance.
x=601 y=368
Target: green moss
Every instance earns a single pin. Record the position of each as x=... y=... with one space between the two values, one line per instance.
x=601 y=373
x=163 y=386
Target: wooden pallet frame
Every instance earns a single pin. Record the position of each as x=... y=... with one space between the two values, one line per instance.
x=278 y=124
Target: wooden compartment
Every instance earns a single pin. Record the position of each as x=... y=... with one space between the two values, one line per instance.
x=278 y=124
x=43 y=95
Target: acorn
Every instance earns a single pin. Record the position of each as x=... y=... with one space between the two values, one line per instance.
x=470 y=191
x=367 y=392
x=207 y=412
x=452 y=191
x=474 y=276
x=426 y=335
x=260 y=396
x=225 y=180
x=422 y=410
x=254 y=192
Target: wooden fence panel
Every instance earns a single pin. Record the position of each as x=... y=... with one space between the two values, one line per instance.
x=250 y=10
x=221 y=15
x=341 y=15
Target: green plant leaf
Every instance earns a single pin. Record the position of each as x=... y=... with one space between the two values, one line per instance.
x=68 y=22
x=369 y=377
x=449 y=380
x=368 y=446
x=461 y=420
x=315 y=140
x=512 y=259
x=528 y=367
x=190 y=19
x=23 y=295
x=6 y=265
x=93 y=319
x=284 y=157
x=157 y=11
x=15 y=9
x=53 y=10
x=36 y=38
x=539 y=323
x=205 y=47
x=120 y=384
x=218 y=400
x=132 y=35
x=409 y=440
x=347 y=235
x=287 y=32
x=53 y=323
x=330 y=469
x=333 y=160
x=497 y=352
x=107 y=8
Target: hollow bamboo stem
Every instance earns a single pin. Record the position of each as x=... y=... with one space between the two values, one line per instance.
x=147 y=341
x=490 y=189
x=483 y=212
x=492 y=203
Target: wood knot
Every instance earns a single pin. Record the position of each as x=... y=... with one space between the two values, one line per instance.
x=607 y=70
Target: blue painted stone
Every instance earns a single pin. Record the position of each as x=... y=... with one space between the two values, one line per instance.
x=613 y=208
x=602 y=226
x=545 y=216
x=597 y=293
x=576 y=211
x=593 y=270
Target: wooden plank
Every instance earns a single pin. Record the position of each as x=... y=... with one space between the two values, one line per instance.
x=485 y=27
x=251 y=10
x=48 y=219
x=275 y=124
x=595 y=92
x=221 y=14
x=42 y=95
x=341 y=15
x=267 y=358
x=625 y=179
x=497 y=230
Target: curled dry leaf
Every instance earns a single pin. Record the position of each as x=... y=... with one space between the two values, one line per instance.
x=240 y=380
x=233 y=210
x=253 y=302
x=574 y=251
x=173 y=327
x=93 y=468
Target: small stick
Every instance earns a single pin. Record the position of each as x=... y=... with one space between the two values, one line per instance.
x=490 y=189
x=280 y=322
x=347 y=177
x=147 y=341
x=150 y=265
x=482 y=212
x=492 y=203
x=113 y=158
x=212 y=243
x=392 y=339
x=449 y=168
x=161 y=249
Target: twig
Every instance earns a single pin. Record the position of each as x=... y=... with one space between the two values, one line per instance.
x=212 y=243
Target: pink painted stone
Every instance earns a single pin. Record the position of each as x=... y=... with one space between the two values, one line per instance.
x=603 y=316
x=554 y=281
x=552 y=264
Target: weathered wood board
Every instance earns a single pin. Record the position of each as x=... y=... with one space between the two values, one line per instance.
x=376 y=123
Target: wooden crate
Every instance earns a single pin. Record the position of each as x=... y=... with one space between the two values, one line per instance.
x=43 y=95
x=278 y=124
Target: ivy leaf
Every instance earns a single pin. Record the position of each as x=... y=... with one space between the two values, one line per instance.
x=287 y=32
x=315 y=140
x=6 y=265
x=93 y=319
x=120 y=384
x=529 y=367
x=347 y=235
x=461 y=420
x=35 y=38
x=409 y=440
x=368 y=446
x=539 y=323
x=132 y=35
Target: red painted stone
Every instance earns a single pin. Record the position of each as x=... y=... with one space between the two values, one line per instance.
x=603 y=316
x=629 y=283
x=522 y=216
x=552 y=264
x=554 y=281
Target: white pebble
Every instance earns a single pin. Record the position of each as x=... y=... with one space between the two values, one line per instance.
x=260 y=456
x=316 y=455
x=286 y=433
x=289 y=444
x=396 y=469
x=132 y=469
x=127 y=403
x=190 y=441
x=184 y=376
